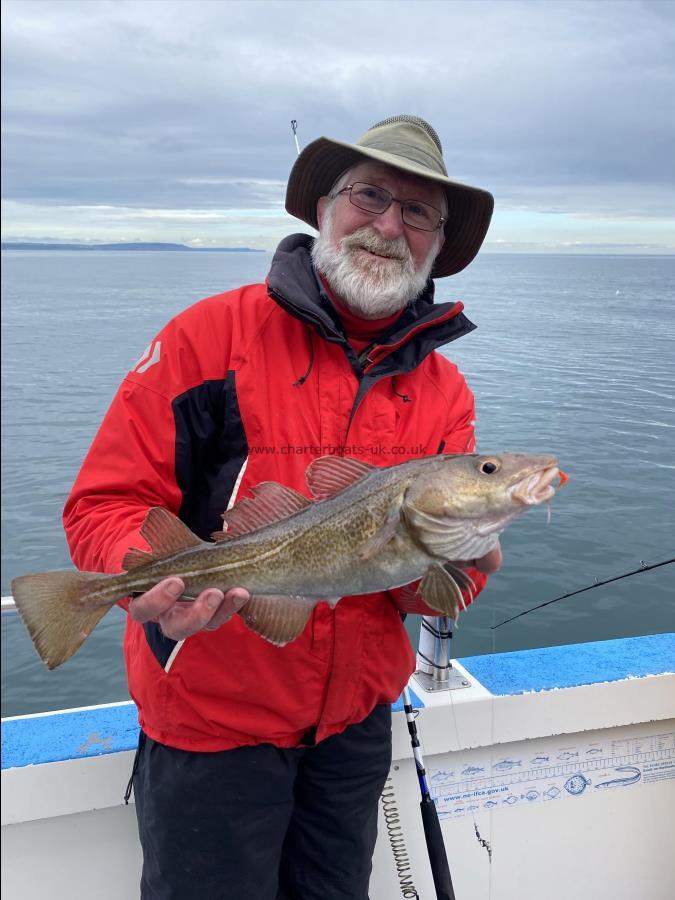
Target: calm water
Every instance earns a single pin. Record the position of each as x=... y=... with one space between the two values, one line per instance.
x=573 y=355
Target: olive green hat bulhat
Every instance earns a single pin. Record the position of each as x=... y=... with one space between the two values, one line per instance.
x=407 y=143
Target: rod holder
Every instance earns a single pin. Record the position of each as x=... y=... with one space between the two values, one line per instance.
x=434 y=670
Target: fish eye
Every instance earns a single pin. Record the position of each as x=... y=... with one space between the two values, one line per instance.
x=489 y=467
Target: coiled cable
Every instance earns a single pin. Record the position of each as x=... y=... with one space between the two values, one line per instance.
x=392 y=821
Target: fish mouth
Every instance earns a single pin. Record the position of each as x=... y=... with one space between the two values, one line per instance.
x=537 y=487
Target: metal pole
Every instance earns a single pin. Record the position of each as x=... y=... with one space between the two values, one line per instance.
x=434 y=670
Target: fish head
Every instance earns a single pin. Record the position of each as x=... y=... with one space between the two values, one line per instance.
x=461 y=504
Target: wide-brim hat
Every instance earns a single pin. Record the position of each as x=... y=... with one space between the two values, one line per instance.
x=407 y=143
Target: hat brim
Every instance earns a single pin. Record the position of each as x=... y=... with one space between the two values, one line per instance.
x=319 y=165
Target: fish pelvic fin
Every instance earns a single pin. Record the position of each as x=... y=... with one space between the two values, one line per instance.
x=277 y=618
x=441 y=591
x=60 y=611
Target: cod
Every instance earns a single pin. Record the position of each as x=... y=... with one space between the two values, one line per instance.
x=366 y=529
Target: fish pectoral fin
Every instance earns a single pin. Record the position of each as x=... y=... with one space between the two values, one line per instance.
x=381 y=538
x=278 y=618
x=165 y=533
x=464 y=581
x=328 y=475
x=446 y=538
x=271 y=502
x=441 y=592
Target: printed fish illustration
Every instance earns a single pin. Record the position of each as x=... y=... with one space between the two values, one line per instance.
x=577 y=784
x=506 y=765
x=366 y=530
x=635 y=775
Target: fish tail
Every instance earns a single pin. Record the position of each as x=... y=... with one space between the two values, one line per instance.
x=60 y=610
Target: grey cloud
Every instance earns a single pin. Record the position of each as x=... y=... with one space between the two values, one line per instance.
x=550 y=105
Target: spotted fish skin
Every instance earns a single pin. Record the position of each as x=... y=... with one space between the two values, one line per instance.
x=367 y=529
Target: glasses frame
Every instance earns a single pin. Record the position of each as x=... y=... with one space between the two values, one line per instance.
x=392 y=199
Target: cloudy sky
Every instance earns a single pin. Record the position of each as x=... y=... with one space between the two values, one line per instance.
x=170 y=121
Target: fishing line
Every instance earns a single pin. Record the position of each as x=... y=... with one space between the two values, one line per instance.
x=643 y=568
x=443 y=630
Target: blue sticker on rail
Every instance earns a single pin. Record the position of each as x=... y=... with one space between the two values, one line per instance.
x=573 y=665
x=72 y=734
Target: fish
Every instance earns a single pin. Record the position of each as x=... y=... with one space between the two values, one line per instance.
x=366 y=529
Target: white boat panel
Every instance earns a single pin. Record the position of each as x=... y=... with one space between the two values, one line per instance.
x=564 y=758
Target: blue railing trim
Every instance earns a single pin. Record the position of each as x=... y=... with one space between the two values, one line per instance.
x=81 y=733
x=573 y=665
x=71 y=734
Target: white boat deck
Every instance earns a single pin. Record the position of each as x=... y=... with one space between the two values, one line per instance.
x=563 y=758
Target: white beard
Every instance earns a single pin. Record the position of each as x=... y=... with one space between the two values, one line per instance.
x=370 y=286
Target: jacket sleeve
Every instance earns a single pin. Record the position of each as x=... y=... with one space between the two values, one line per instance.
x=131 y=465
x=128 y=469
x=459 y=437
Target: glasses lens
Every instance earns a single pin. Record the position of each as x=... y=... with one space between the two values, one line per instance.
x=420 y=215
x=370 y=197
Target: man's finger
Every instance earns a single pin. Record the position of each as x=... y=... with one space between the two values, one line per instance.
x=156 y=601
x=185 y=619
x=233 y=602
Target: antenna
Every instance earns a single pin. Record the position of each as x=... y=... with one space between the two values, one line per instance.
x=294 y=126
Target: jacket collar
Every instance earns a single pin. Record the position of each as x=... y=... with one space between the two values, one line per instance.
x=423 y=327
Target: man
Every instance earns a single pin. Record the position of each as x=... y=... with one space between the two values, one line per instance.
x=260 y=767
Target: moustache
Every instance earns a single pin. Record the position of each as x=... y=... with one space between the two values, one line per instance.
x=366 y=239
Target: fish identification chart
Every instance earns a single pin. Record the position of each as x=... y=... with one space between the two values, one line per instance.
x=549 y=770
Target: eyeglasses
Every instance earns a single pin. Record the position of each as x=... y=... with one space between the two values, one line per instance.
x=377 y=200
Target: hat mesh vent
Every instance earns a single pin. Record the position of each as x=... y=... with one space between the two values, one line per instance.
x=414 y=120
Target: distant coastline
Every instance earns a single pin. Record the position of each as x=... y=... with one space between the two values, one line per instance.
x=29 y=245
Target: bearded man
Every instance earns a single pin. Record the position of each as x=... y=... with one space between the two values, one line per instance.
x=259 y=767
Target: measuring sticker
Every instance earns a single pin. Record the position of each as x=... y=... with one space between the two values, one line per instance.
x=543 y=771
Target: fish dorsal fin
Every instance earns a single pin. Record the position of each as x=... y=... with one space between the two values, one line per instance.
x=165 y=534
x=136 y=558
x=279 y=619
x=329 y=475
x=271 y=502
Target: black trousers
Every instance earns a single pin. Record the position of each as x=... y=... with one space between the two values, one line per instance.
x=262 y=822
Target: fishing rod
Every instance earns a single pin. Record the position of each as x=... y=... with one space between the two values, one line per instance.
x=294 y=128
x=643 y=568
x=440 y=869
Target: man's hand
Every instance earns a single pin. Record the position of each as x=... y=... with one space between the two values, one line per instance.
x=178 y=620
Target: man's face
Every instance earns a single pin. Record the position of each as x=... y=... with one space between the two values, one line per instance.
x=376 y=264
x=347 y=218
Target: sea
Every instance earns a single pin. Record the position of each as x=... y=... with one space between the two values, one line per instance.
x=573 y=355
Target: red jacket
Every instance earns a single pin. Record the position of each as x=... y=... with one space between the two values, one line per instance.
x=251 y=386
